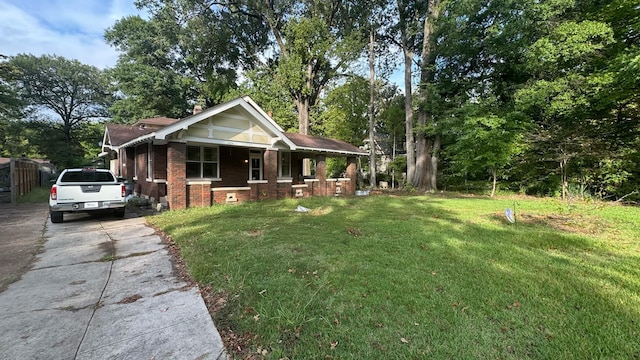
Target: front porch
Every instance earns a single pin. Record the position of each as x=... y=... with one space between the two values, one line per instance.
x=269 y=185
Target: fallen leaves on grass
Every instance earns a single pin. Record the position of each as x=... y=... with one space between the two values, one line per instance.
x=514 y=305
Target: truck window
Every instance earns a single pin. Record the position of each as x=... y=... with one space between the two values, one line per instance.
x=87 y=176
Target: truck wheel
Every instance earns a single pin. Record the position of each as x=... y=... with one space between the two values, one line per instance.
x=56 y=216
x=119 y=213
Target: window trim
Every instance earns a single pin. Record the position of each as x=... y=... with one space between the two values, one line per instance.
x=202 y=161
x=150 y=161
x=280 y=172
x=259 y=156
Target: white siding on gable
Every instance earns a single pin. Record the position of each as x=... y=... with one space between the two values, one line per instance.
x=231 y=126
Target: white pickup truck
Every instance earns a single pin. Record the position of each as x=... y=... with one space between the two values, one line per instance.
x=86 y=189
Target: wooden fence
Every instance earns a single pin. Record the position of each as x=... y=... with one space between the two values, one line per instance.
x=24 y=176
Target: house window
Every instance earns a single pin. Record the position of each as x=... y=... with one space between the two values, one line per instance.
x=255 y=166
x=150 y=161
x=202 y=162
x=284 y=168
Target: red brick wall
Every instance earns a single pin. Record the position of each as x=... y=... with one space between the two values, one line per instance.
x=352 y=173
x=234 y=171
x=176 y=175
x=331 y=188
x=127 y=168
x=321 y=174
x=160 y=162
x=199 y=195
x=270 y=172
x=142 y=187
x=220 y=196
x=284 y=190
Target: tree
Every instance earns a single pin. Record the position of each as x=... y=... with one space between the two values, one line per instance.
x=484 y=142
x=427 y=142
x=559 y=98
x=411 y=15
x=344 y=112
x=272 y=96
x=187 y=52
x=64 y=94
x=10 y=106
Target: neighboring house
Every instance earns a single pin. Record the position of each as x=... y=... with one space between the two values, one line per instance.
x=228 y=153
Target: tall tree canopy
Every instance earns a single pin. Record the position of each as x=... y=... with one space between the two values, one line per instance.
x=63 y=96
x=191 y=50
x=187 y=52
x=544 y=93
x=10 y=106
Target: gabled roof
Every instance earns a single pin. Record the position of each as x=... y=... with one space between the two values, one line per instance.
x=117 y=136
x=157 y=121
x=316 y=143
x=245 y=103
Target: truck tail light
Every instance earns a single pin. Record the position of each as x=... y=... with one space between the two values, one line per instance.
x=54 y=193
x=124 y=191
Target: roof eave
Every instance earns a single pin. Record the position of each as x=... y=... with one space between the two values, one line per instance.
x=343 y=152
x=138 y=140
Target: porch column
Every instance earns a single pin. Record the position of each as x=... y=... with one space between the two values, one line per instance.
x=352 y=174
x=321 y=173
x=271 y=173
x=176 y=175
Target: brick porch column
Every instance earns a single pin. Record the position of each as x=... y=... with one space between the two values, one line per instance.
x=352 y=174
x=271 y=173
x=321 y=173
x=176 y=175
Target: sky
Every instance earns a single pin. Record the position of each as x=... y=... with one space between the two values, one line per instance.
x=73 y=29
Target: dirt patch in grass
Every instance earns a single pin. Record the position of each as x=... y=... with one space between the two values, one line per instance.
x=574 y=223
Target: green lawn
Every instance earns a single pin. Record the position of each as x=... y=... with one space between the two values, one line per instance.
x=386 y=277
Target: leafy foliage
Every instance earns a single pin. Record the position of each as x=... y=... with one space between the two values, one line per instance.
x=62 y=98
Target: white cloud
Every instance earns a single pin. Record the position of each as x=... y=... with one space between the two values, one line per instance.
x=70 y=28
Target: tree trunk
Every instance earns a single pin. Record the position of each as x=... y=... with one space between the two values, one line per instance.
x=435 y=154
x=408 y=96
x=302 y=105
x=408 y=108
x=423 y=161
x=372 y=115
x=426 y=158
x=495 y=180
x=563 y=175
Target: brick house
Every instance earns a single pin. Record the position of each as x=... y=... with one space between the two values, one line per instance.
x=228 y=153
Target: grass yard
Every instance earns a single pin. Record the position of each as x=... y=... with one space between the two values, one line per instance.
x=397 y=277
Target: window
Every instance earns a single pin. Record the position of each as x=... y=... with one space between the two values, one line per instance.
x=202 y=162
x=150 y=161
x=87 y=175
x=255 y=166
x=284 y=164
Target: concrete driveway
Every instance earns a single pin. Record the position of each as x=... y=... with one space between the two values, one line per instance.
x=104 y=288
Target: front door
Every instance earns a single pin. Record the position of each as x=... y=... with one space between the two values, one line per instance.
x=255 y=166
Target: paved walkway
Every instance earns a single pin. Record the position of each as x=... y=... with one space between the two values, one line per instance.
x=104 y=289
